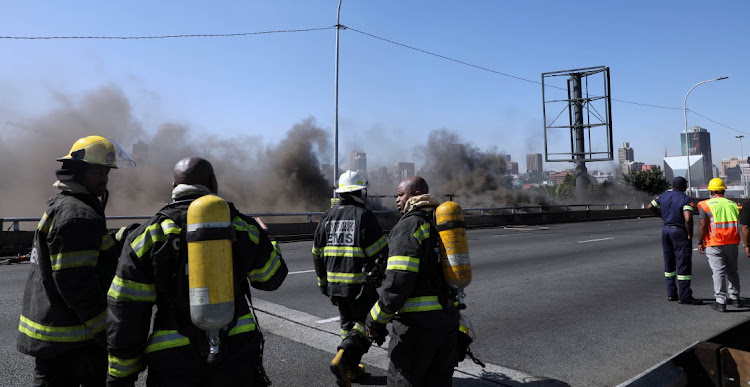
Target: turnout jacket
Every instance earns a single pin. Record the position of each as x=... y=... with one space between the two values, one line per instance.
x=348 y=245
x=414 y=291
x=73 y=260
x=153 y=271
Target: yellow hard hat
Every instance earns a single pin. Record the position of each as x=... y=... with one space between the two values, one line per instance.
x=717 y=184
x=98 y=150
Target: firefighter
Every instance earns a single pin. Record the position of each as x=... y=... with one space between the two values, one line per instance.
x=676 y=210
x=422 y=309
x=349 y=253
x=73 y=260
x=719 y=239
x=154 y=270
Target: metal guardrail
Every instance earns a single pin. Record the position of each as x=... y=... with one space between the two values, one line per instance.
x=15 y=222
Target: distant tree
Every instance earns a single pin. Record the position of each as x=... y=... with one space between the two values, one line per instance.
x=651 y=181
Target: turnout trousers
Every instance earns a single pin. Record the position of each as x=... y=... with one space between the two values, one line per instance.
x=85 y=367
x=184 y=367
x=353 y=312
x=678 y=264
x=421 y=357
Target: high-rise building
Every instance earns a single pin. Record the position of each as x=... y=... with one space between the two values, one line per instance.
x=403 y=170
x=358 y=161
x=511 y=167
x=625 y=153
x=698 y=143
x=534 y=163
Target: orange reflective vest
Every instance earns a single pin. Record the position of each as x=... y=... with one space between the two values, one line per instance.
x=723 y=216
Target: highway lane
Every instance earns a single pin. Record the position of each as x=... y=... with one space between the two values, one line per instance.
x=582 y=303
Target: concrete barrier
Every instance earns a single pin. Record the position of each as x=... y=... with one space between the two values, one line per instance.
x=19 y=242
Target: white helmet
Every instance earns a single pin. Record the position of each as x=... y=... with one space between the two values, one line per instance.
x=351 y=181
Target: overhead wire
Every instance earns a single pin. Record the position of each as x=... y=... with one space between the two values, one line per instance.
x=524 y=79
x=169 y=36
x=239 y=34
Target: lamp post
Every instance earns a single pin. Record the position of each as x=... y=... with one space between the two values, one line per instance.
x=687 y=139
x=741 y=155
x=336 y=106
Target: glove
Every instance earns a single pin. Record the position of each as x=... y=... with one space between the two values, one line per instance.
x=324 y=290
x=377 y=333
x=462 y=346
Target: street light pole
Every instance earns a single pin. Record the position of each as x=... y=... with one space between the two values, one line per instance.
x=687 y=139
x=741 y=155
x=336 y=107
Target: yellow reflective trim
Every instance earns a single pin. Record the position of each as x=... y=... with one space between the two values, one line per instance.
x=166 y=339
x=65 y=334
x=107 y=242
x=343 y=251
x=268 y=270
x=74 y=259
x=670 y=274
x=245 y=323
x=422 y=233
x=152 y=234
x=654 y=203
x=421 y=304
x=120 y=368
x=252 y=231
x=345 y=278
x=401 y=262
x=374 y=248
x=44 y=224
x=378 y=315
x=122 y=289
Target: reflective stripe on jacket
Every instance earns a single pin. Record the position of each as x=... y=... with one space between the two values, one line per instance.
x=413 y=284
x=348 y=241
x=73 y=259
x=723 y=216
x=153 y=271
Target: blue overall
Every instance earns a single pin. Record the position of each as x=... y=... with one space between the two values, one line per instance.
x=676 y=246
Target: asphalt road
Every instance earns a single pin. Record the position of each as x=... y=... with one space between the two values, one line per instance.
x=580 y=304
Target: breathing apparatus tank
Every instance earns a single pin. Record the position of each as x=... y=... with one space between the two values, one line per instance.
x=450 y=224
x=210 y=270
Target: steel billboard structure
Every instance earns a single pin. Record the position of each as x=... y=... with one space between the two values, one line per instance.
x=589 y=127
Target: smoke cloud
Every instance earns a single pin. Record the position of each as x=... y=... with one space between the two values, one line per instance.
x=258 y=178
x=282 y=177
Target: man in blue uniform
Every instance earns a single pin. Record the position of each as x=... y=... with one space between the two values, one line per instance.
x=676 y=209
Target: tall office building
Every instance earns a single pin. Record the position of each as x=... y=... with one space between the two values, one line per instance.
x=534 y=163
x=358 y=161
x=698 y=143
x=511 y=167
x=403 y=170
x=625 y=153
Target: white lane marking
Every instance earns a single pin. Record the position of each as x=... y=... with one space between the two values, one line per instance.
x=596 y=240
x=301 y=271
x=337 y=318
x=302 y=328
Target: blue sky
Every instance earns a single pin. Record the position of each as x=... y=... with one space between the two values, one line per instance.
x=389 y=96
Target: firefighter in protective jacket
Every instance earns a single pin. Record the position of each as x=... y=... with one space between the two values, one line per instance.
x=153 y=270
x=73 y=260
x=422 y=309
x=349 y=252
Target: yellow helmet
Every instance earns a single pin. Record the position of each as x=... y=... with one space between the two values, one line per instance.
x=98 y=150
x=717 y=184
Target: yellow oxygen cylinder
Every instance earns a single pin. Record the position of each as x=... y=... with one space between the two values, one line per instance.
x=210 y=271
x=456 y=265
